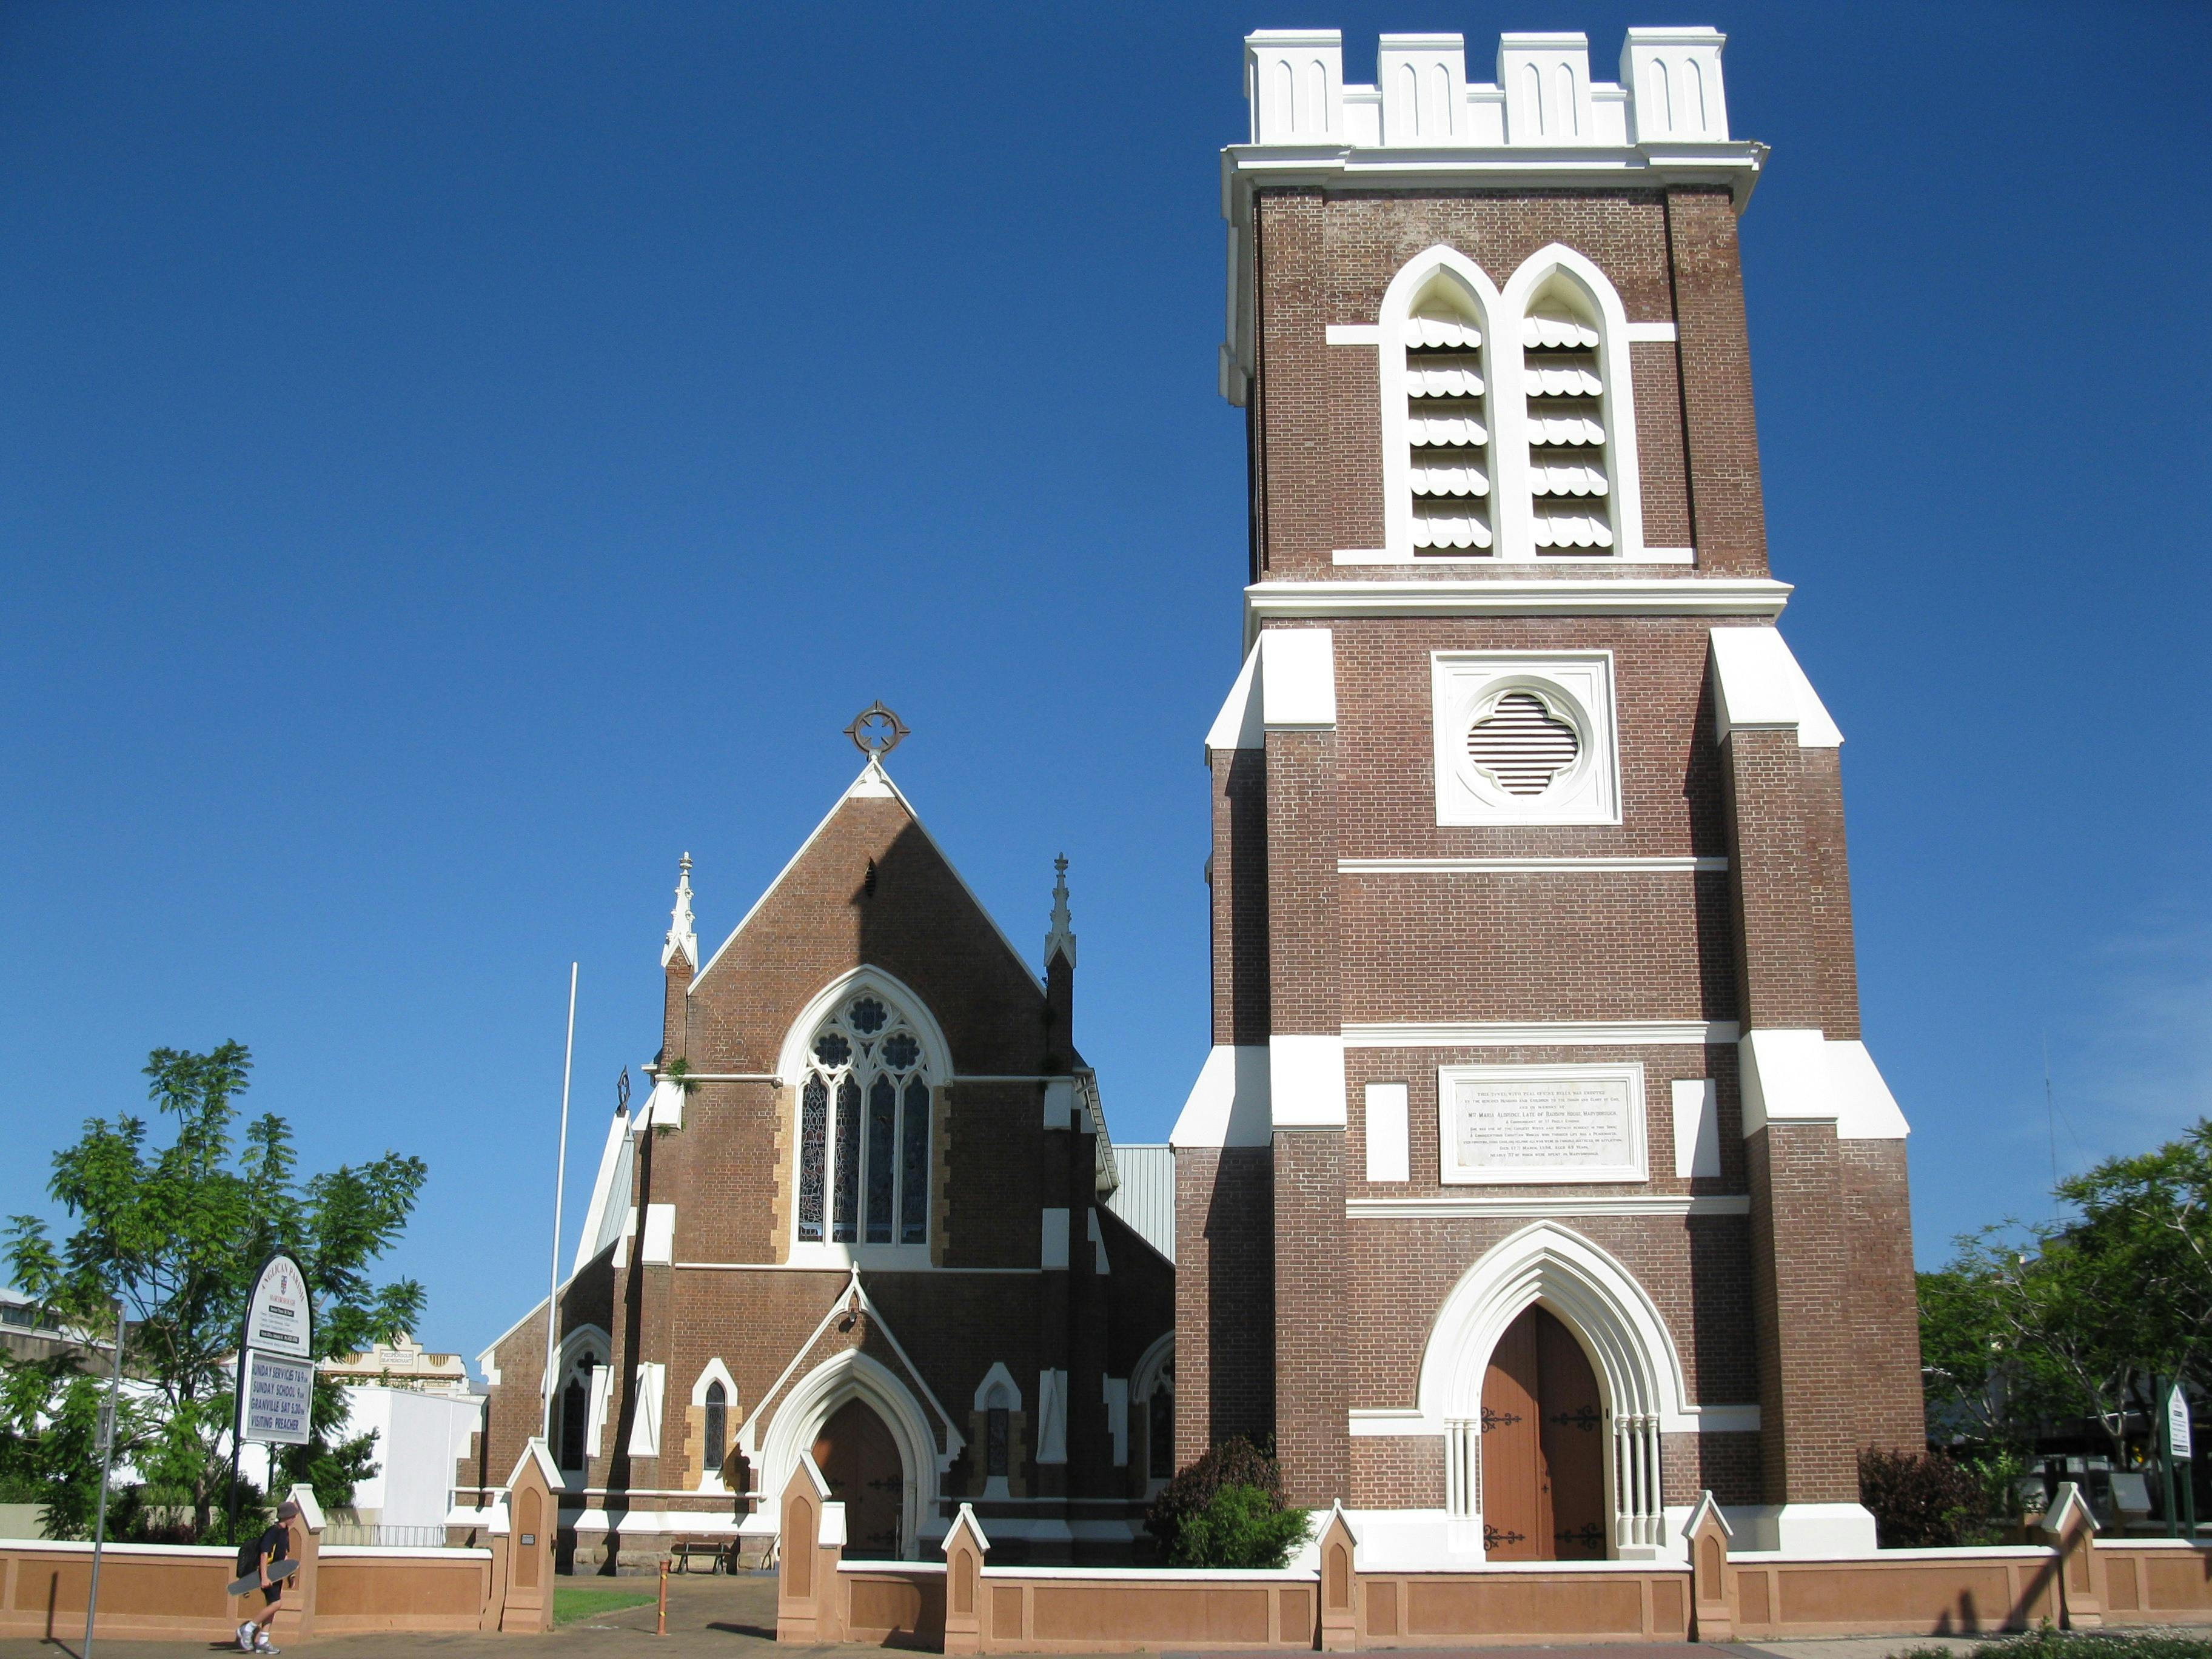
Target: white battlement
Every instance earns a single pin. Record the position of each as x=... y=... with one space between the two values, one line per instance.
x=1669 y=92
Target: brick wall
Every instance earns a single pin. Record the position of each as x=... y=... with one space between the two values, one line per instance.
x=1313 y=1382
x=1224 y=1297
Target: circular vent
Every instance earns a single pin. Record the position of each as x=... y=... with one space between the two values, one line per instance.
x=1522 y=745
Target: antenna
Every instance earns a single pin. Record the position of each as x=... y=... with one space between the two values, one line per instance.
x=2050 y=1116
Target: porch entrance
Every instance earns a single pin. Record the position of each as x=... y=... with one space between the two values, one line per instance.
x=1544 y=1434
x=861 y=1461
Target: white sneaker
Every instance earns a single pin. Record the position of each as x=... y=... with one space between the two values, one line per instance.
x=246 y=1638
x=265 y=1645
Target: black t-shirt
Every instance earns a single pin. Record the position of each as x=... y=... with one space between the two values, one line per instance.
x=274 y=1545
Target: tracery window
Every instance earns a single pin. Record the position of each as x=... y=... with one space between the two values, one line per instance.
x=864 y=1168
x=575 y=1410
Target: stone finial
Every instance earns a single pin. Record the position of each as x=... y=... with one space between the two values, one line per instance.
x=683 y=936
x=1060 y=941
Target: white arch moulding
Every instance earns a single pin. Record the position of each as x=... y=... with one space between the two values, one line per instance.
x=793 y=1058
x=1618 y=401
x=578 y=1341
x=1390 y=358
x=1639 y=1374
x=844 y=1377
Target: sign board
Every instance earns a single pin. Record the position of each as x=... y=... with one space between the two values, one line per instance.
x=2176 y=1425
x=279 y=1318
x=1512 y=1125
x=278 y=1396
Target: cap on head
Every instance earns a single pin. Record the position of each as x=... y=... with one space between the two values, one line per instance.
x=288 y=1511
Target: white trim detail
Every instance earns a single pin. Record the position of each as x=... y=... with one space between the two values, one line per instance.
x=998 y=1377
x=1238 y=725
x=658 y=1248
x=710 y=1479
x=1801 y=1076
x=1052 y=1416
x=1099 y=1264
x=874 y=782
x=1385 y=1119
x=1649 y=333
x=847 y=1375
x=1759 y=687
x=1697 y=1127
x=1297 y=679
x=1116 y=1391
x=1619 y=1085
x=1229 y=1103
x=1354 y=334
x=1529 y=866
x=1545 y=1034
x=1639 y=1373
x=1305 y=1079
x=1053 y=1246
x=645 y=1424
x=1548 y=1204
x=1511 y=595
x=1575 y=688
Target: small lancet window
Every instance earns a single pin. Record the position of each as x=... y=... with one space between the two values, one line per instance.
x=1569 y=486
x=575 y=1408
x=1448 y=423
x=864 y=1170
x=717 y=1436
x=998 y=1436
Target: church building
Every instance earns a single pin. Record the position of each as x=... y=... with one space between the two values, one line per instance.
x=863 y=1215
x=1537 y=1180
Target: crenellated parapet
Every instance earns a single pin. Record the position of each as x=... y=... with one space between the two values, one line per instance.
x=1670 y=92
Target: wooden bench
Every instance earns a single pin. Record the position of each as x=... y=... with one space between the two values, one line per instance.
x=714 y=1550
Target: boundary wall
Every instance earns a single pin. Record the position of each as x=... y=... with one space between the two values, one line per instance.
x=963 y=1605
x=496 y=1575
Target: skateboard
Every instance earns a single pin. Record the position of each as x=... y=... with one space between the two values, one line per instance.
x=252 y=1582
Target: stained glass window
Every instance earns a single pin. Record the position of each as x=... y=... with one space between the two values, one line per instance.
x=883 y=1168
x=994 y=1456
x=813 y=1143
x=866 y=1177
x=718 y=1427
x=914 y=1164
x=849 y=1162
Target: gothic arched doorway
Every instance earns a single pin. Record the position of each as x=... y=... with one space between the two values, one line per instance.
x=1543 y=1446
x=861 y=1461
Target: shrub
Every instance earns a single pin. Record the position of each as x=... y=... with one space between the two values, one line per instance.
x=1919 y=1501
x=2048 y=1643
x=1234 y=1462
x=1242 y=1527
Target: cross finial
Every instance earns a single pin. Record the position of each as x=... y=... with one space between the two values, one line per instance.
x=876 y=730
x=1060 y=941
x=683 y=936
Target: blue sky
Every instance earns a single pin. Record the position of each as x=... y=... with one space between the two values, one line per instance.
x=454 y=458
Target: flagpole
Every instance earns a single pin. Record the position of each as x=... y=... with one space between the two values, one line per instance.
x=560 y=1186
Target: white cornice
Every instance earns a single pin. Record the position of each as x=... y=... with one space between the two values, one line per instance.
x=1641 y=1204
x=1509 y=596
x=1543 y=1034
x=1526 y=867
x=1735 y=166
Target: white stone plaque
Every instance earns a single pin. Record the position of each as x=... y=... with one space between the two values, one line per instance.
x=1518 y=1125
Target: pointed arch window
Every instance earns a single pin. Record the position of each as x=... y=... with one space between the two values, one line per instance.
x=864 y=1127
x=575 y=1406
x=1569 y=417
x=717 y=1427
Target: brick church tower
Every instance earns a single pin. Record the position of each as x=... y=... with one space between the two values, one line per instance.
x=1537 y=1180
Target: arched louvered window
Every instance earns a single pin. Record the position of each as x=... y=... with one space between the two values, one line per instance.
x=575 y=1406
x=1448 y=422
x=864 y=1129
x=1570 y=487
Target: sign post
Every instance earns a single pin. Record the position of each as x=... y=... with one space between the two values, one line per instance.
x=2179 y=1452
x=275 y=1365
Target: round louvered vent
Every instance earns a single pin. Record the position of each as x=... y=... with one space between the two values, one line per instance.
x=1522 y=745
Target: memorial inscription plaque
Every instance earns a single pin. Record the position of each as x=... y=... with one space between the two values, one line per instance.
x=1514 y=1124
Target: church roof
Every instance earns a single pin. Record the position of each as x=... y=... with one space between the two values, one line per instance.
x=873 y=783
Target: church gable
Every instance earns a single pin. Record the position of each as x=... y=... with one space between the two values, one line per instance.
x=870 y=889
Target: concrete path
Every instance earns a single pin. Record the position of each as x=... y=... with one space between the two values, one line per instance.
x=734 y=1618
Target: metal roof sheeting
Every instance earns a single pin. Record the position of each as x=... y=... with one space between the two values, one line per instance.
x=1146 y=1198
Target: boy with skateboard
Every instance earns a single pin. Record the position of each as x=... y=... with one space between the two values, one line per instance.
x=263 y=1563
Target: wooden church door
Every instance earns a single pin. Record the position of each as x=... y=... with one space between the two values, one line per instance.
x=1543 y=1446
x=861 y=1461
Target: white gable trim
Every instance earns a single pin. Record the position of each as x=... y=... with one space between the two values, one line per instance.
x=874 y=782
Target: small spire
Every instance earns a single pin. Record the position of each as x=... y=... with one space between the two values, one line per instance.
x=1060 y=941
x=681 y=936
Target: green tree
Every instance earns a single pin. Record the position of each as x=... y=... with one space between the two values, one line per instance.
x=2071 y=1316
x=177 y=1232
